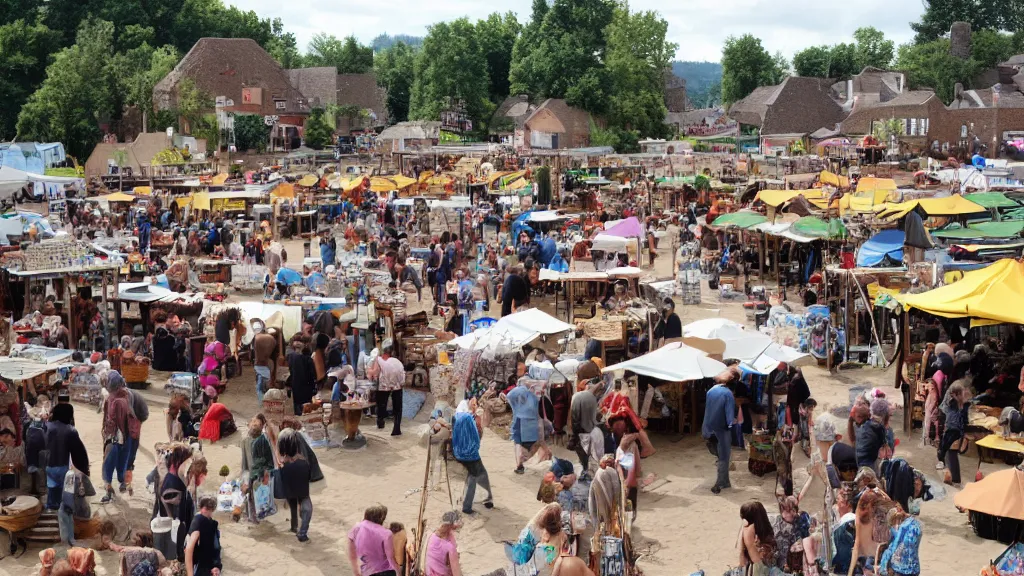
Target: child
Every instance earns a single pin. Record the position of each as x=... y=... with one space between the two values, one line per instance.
x=399 y=541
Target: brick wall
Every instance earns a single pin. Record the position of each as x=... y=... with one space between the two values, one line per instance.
x=987 y=123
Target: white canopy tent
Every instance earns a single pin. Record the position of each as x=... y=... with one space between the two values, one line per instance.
x=673 y=362
x=754 y=349
x=515 y=330
x=12 y=180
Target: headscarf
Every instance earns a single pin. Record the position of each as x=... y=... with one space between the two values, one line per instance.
x=114 y=381
x=880 y=408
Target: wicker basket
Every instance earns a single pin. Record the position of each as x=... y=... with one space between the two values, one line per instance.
x=134 y=372
x=604 y=330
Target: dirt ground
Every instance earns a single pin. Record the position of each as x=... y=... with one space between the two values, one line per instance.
x=682 y=526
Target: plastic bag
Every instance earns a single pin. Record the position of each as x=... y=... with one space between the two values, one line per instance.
x=264 y=498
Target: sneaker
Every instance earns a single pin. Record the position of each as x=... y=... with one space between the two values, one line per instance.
x=396 y=433
x=122 y=488
x=488 y=504
x=303 y=538
x=940 y=466
x=716 y=489
x=107 y=498
x=520 y=470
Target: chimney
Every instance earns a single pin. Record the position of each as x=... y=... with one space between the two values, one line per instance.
x=960 y=40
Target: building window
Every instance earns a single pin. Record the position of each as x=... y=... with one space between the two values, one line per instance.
x=913 y=127
x=926 y=123
x=279 y=104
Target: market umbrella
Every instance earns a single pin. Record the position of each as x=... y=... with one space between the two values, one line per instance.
x=309 y=180
x=741 y=219
x=675 y=362
x=732 y=341
x=998 y=494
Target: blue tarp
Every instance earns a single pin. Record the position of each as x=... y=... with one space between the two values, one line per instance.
x=888 y=243
x=288 y=277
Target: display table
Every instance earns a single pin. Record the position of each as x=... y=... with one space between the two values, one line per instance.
x=351 y=414
x=994 y=446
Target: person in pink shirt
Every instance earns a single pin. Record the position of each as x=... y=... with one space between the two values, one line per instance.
x=442 y=552
x=370 y=546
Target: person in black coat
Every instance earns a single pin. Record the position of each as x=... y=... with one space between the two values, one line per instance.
x=295 y=477
x=303 y=376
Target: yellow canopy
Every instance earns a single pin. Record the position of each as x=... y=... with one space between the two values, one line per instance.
x=308 y=180
x=518 y=184
x=402 y=181
x=776 y=198
x=380 y=184
x=955 y=205
x=984 y=294
x=117 y=197
x=201 y=201
x=283 y=190
x=870 y=184
x=494 y=176
x=836 y=180
x=144 y=190
x=219 y=179
x=351 y=184
x=183 y=201
x=425 y=175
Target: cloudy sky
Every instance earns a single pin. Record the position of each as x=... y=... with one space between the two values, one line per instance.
x=698 y=26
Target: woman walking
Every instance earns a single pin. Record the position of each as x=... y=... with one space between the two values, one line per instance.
x=295 y=479
x=442 y=551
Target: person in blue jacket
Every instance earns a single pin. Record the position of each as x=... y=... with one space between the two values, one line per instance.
x=525 y=421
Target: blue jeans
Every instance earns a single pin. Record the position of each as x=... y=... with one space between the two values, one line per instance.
x=724 y=453
x=336 y=393
x=55 y=485
x=117 y=460
x=262 y=382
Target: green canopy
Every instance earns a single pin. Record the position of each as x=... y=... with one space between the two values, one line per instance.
x=1004 y=229
x=817 y=228
x=991 y=200
x=688 y=180
x=742 y=219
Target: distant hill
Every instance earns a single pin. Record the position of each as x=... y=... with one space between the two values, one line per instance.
x=384 y=41
x=703 y=81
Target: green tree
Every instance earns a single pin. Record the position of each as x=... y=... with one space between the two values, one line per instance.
x=317 y=133
x=637 y=59
x=394 y=68
x=450 y=67
x=79 y=92
x=746 y=65
x=564 y=59
x=939 y=16
x=522 y=71
x=813 y=61
x=24 y=51
x=497 y=35
x=989 y=47
x=873 y=49
x=930 y=65
x=348 y=55
x=283 y=47
x=251 y=132
x=137 y=71
x=193 y=105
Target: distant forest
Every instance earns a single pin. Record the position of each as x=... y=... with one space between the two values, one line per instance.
x=703 y=82
x=384 y=41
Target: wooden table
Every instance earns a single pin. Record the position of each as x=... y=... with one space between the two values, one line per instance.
x=351 y=414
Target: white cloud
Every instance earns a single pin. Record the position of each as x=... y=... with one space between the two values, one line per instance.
x=699 y=26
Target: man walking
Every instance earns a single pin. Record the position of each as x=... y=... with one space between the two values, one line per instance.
x=719 y=416
x=583 y=415
x=264 y=344
x=466 y=432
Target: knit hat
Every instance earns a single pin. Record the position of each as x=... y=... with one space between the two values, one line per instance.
x=880 y=408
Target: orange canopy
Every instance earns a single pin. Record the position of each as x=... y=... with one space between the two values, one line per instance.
x=999 y=494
